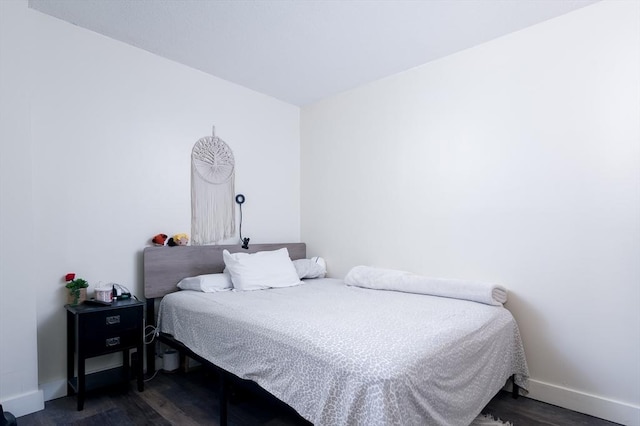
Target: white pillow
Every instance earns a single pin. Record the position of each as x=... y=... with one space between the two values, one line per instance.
x=315 y=267
x=264 y=269
x=207 y=283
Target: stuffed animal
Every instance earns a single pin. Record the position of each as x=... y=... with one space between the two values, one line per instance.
x=178 y=240
x=159 y=240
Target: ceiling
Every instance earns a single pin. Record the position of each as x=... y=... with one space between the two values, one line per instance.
x=301 y=51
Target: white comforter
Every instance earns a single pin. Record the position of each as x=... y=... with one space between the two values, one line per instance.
x=344 y=355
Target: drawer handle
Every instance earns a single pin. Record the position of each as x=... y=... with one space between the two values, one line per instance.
x=113 y=320
x=113 y=341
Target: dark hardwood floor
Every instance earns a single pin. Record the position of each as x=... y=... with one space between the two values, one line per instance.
x=192 y=399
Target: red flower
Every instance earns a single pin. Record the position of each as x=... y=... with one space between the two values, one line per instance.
x=69 y=277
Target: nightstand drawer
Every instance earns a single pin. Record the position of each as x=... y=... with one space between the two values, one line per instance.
x=96 y=325
x=110 y=330
x=110 y=342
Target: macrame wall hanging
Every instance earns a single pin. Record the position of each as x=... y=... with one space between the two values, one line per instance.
x=212 y=191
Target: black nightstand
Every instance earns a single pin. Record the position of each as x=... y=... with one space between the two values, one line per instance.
x=99 y=330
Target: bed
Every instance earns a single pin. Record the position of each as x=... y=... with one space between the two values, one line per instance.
x=339 y=354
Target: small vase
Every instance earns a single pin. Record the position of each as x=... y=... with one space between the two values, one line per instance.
x=81 y=298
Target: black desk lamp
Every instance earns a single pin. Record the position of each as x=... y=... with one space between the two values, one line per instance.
x=244 y=241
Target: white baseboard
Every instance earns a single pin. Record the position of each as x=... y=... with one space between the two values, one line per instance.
x=24 y=404
x=54 y=390
x=614 y=411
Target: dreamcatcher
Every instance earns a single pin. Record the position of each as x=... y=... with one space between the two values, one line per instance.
x=212 y=191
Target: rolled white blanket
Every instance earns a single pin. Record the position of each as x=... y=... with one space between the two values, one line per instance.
x=388 y=279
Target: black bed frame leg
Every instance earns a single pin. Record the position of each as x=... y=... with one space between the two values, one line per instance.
x=150 y=348
x=515 y=389
x=224 y=397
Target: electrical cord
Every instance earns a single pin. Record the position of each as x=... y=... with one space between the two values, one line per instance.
x=153 y=376
x=153 y=333
x=149 y=338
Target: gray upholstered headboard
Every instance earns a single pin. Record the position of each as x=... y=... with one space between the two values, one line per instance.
x=165 y=266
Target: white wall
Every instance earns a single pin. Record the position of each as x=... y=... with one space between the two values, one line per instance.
x=517 y=162
x=112 y=129
x=19 y=392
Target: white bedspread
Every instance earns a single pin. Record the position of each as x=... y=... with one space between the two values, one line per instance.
x=343 y=355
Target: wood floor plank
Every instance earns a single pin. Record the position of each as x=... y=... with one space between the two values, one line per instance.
x=192 y=399
x=138 y=411
x=167 y=409
x=529 y=412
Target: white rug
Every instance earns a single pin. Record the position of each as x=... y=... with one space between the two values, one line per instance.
x=488 y=420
